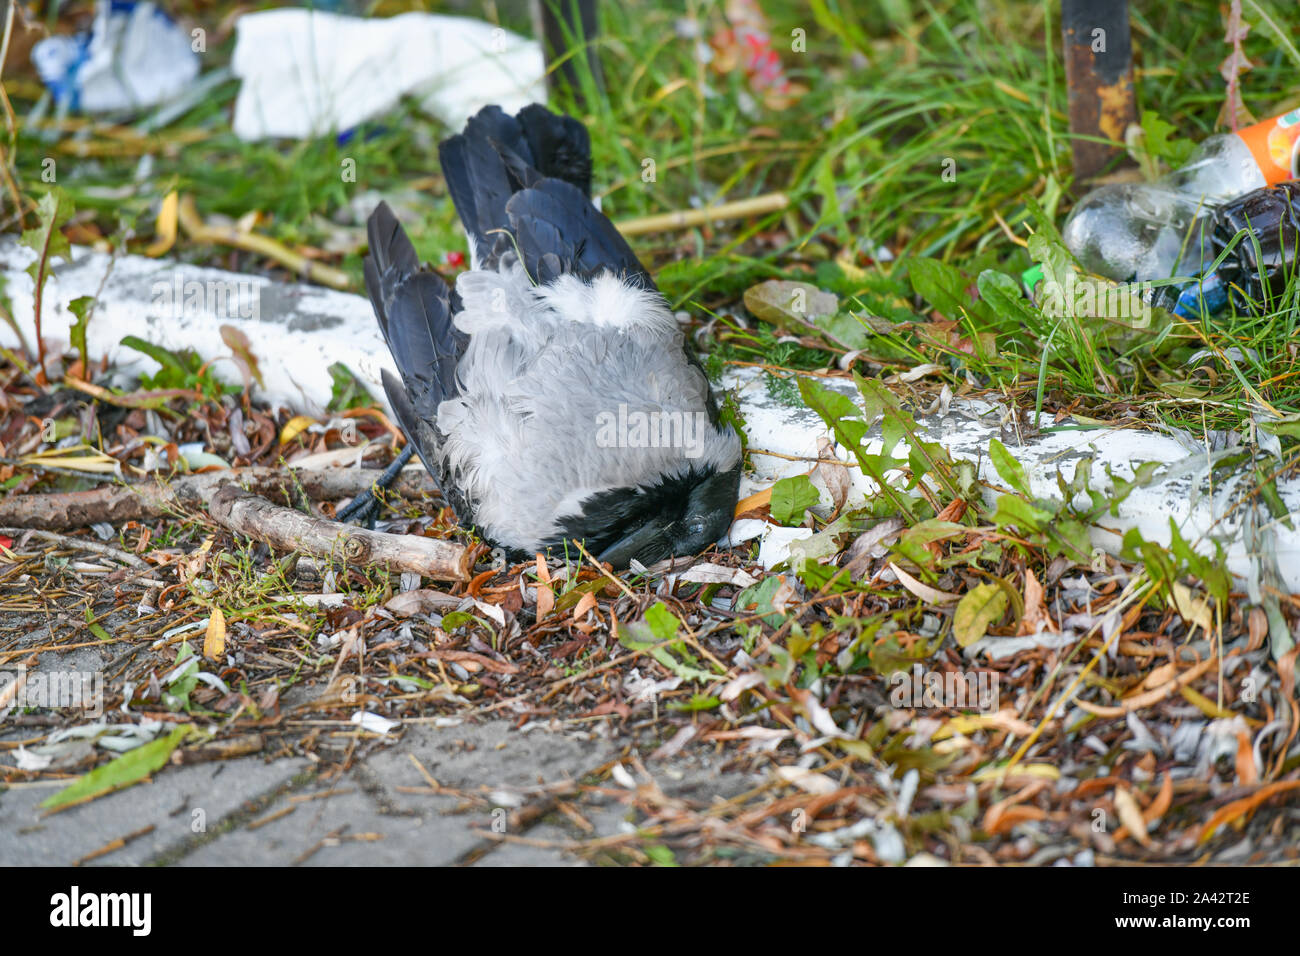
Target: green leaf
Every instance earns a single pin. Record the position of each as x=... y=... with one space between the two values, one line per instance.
x=979 y=609
x=662 y=622
x=639 y=636
x=849 y=424
x=697 y=702
x=912 y=542
x=1159 y=143
x=94 y=628
x=1011 y=471
x=177 y=695
x=125 y=771
x=940 y=285
x=1019 y=513
x=81 y=307
x=758 y=597
x=346 y=392
x=791 y=497
x=173 y=373
x=788 y=304
x=52 y=211
x=1055 y=259
x=1003 y=295
x=450 y=622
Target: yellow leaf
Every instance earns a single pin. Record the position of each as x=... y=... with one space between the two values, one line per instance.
x=1160 y=805
x=1192 y=607
x=214 y=641
x=295 y=427
x=165 y=227
x=1206 y=706
x=1019 y=770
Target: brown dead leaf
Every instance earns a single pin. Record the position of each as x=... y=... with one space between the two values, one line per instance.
x=835 y=477
x=1003 y=821
x=1247 y=774
x=545 y=600
x=1035 y=608
x=1130 y=814
x=586 y=603
x=1239 y=808
x=1160 y=805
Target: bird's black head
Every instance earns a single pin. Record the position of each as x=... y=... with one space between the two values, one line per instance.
x=679 y=515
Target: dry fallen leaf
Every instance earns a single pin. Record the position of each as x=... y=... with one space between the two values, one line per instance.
x=545 y=600
x=1130 y=814
x=214 y=640
x=1247 y=772
x=1160 y=805
x=1036 y=617
x=923 y=591
x=1239 y=808
x=834 y=477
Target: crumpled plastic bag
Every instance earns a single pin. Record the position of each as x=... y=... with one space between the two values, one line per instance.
x=306 y=73
x=133 y=57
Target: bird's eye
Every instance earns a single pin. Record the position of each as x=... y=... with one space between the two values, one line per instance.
x=695 y=526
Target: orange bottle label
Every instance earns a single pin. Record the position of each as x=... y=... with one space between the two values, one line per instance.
x=1275 y=144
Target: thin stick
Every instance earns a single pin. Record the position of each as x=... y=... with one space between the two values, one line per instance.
x=687 y=218
x=78 y=544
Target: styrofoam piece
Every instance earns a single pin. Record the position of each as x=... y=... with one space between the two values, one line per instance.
x=297 y=331
x=968 y=426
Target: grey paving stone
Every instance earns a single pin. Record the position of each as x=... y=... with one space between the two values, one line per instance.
x=176 y=801
x=346 y=829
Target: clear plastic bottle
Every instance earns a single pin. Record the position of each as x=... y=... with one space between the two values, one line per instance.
x=1142 y=231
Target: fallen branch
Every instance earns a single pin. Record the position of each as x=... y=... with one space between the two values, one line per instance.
x=290 y=530
x=153 y=499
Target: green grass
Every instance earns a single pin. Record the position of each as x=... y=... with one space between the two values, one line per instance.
x=898 y=90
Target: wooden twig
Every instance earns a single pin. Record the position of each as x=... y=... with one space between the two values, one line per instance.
x=686 y=218
x=152 y=499
x=200 y=231
x=78 y=544
x=289 y=530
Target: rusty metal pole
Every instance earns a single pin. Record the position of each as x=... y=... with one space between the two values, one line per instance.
x=1099 y=73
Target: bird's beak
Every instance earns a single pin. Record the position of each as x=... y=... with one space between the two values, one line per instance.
x=648 y=544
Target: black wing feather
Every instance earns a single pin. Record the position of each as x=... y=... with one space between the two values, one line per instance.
x=414 y=308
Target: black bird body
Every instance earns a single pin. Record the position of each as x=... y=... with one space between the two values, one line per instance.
x=552 y=394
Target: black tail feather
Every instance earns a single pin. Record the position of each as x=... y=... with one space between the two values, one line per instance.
x=498 y=155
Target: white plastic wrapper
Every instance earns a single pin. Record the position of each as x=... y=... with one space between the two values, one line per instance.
x=307 y=73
